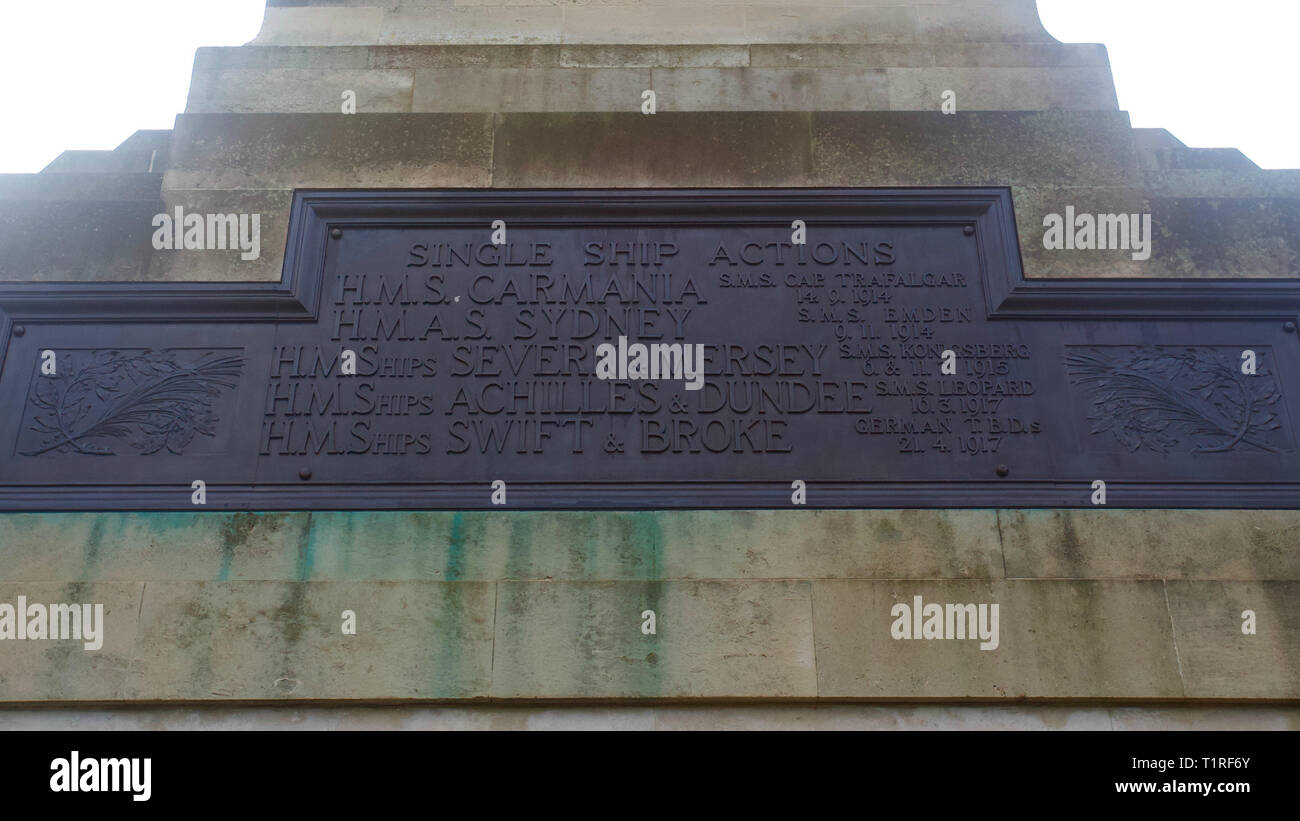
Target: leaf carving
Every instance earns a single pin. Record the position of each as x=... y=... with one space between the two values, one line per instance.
x=159 y=403
x=1164 y=399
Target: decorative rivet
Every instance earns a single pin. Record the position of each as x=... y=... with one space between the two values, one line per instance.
x=304 y=474
x=968 y=230
x=19 y=330
x=1003 y=470
x=336 y=232
x=1289 y=327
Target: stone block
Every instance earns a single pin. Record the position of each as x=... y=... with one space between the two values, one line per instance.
x=1002 y=89
x=277 y=640
x=515 y=25
x=1151 y=544
x=70 y=187
x=840 y=55
x=1057 y=639
x=713 y=640
x=1217 y=659
x=530 y=89
x=81 y=239
x=770 y=89
x=330 y=151
x=64 y=670
x=634 y=150
x=701 y=23
x=120 y=547
x=643 y=56
x=831 y=544
x=300 y=90
x=444 y=546
x=972 y=148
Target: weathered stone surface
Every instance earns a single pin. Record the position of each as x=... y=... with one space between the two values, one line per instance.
x=106 y=547
x=1002 y=89
x=1221 y=237
x=1153 y=544
x=486 y=546
x=76 y=239
x=330 y=150
x=1211 y=183
x=651 y=21
x=669 y=55
x=831 y=544
x=71 y=187
x=1027 y=55
x=64 y=670
x=655 y=544
x=457 y=78
x=1058 y=639
x=1218 y=660
x=302 y=90
x=269 y=640
x=770 y=89
x=631 y=150
x=530 y=89
x=972 y=148
x=235 y=638
x=665 y=56
x=507 y=25
x=705 y=23
x=713 y=640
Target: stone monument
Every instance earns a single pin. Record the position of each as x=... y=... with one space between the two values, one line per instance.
x=1007 y=431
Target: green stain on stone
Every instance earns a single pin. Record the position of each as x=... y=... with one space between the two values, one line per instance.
x=648 y=531
x=306 y=550
x=348 y=539
x=94 y=541
x=451 y=622
x=454 y=568
x=521 y=538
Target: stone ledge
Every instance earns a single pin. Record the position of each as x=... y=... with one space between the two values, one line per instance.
x=778 y=639
x=653 y=23
x=47 y=240
x=668 y=55
x=686 y=78
x=65 y=187
x=548 y=716
x=652 y=545
x=267 y=151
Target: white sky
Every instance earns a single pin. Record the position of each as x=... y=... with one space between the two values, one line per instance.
x=88 y=73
